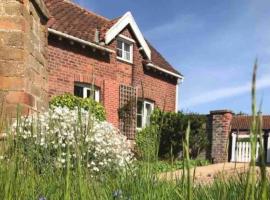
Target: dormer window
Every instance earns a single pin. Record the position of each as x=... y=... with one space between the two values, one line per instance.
x=124 y=50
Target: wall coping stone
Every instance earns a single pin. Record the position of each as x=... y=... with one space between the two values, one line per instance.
x=221 y=112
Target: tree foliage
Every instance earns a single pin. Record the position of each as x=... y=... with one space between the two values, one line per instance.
x=172 y=126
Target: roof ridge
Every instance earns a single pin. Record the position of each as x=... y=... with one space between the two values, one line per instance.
x=87 y=11
x=250 y=116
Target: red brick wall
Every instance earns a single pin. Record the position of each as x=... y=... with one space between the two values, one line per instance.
x=23 y=57
x=160 y=89
x=157 y=87
x=70 y=62
x=219 y=122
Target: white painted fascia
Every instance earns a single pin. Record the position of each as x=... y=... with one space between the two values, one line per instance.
x=127 y=19
x=84 y=42
x=165 y=71
x=125 y=38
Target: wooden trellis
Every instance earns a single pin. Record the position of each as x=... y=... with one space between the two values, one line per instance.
x=127 y=111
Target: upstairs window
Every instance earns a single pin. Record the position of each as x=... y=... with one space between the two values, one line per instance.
x=124 y=50
x=87 y=91
x=144 y=111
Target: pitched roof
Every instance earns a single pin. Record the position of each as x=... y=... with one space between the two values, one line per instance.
x=73 y=20
x=160 y=61
x=244 y=123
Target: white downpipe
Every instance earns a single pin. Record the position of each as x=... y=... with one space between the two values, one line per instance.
x=176 y=96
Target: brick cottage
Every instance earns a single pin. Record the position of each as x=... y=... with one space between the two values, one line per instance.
x=53 y=47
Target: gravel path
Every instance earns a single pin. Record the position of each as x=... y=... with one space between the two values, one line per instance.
x=207 y=174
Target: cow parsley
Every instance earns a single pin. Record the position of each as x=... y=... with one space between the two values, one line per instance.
x=61 y=137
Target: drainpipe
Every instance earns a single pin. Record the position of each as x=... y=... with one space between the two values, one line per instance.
x=179 y=81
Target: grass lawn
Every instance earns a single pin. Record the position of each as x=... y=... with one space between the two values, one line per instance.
x=168 y=166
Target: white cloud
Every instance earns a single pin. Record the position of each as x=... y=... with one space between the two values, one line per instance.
x=222 y=93
x=175 y=26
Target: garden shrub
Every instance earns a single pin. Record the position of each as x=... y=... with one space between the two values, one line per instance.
x=147 y=143
x=70 y=101
x=172 y=127
x=61 y=138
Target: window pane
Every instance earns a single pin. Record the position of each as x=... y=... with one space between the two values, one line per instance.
x=119 y=44
x=127 y=55
x=139 y=107
x=127 y=47
x=148 y=108
x=78 y=91
x=139 y=121
x=90 y=94
x=119 y=53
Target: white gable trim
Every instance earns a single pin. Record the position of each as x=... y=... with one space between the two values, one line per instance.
x=127 y=19
x=84 y=42
x=165 y=71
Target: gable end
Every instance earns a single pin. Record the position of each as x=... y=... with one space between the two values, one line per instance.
x=128 y=19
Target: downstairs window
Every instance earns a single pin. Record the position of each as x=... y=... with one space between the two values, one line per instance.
x=144 y=111
x=87 y=91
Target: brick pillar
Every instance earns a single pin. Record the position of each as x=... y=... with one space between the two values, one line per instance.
x=23 y=57
x=111 y=101
x=219 y=122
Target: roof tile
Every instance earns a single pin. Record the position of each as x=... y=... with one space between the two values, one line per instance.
x=71 y=19
x=244 y=123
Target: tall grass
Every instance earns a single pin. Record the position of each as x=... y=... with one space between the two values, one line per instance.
x=19 y=178
x=255 y=133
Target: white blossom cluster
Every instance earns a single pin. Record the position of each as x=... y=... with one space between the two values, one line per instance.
x=69 y=135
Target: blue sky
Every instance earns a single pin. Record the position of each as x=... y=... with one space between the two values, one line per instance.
x=213 y=43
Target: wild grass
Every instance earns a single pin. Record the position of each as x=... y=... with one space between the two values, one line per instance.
x=19 y=178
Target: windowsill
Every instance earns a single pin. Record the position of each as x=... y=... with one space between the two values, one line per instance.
x=139 y=129
x=124 y=60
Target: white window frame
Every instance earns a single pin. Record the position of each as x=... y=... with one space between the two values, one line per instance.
x=88 y=87
x=125 y=40
x=144 y=112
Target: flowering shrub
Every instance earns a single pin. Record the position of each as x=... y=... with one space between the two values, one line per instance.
x=62 y=137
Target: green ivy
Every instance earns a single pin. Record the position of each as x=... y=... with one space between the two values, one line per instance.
x=72 y=101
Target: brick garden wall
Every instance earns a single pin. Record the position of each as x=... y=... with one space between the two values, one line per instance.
x=23 y=55
x=219 y=127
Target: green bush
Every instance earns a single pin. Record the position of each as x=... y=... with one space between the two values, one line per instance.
x=172 y=127
x=72 y=101
x=147 y=142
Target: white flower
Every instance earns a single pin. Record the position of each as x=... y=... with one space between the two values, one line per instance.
x=103 y=146
x=96 y=169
